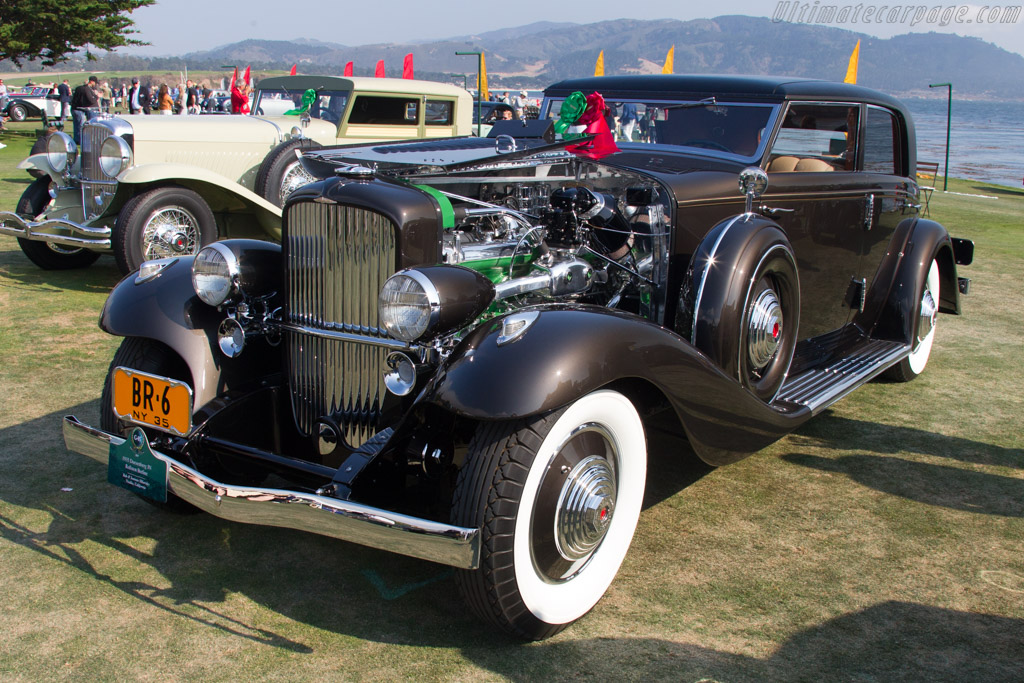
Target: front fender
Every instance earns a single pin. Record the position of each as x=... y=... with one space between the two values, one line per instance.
x=220 y=192
x=35 y=162
x=571 y=351
x=167 y=310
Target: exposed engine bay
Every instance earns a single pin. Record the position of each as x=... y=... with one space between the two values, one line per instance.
x=597 y=235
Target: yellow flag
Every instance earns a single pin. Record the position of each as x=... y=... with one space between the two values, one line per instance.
x=599 y=66
x=851 y=70
x=669 y=58
x=481 y=83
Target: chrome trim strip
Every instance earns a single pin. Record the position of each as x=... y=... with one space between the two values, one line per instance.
x=704 y=275
x=342 y=519
x=95 y=238
x=385 y=342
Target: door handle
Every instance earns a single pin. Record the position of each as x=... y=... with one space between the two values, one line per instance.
x=773 y=210
x=869 y=212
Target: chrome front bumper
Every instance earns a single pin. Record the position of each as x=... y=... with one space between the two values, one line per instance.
x=55 y=230
x=424 y=539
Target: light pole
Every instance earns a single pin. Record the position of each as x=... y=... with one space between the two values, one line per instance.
x=465 y=80
x=949 y=114
x=479 y=86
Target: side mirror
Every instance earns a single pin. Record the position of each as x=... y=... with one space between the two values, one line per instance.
x=753 y=183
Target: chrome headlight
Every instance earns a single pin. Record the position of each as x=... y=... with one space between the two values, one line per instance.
x=429 y=301
x=61 y=152
x=215 y=273
x=409 y=304
x=115 y=156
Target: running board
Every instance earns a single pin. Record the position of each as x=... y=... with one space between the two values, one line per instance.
x=819 y=388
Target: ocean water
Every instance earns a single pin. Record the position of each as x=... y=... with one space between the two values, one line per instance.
x=986 y=139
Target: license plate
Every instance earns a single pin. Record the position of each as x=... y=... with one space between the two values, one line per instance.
x=158 y=402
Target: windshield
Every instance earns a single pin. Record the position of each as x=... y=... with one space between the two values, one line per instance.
x=328 y=105
x=734 y=128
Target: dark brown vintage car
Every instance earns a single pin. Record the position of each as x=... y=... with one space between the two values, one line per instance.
x=456 y=349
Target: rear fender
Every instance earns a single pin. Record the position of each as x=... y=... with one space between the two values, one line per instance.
x=891 y=307
x=568 y=352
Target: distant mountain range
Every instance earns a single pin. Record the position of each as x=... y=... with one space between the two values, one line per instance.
x=538 y=54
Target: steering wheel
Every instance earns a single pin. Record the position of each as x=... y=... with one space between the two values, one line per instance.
x=708 y=144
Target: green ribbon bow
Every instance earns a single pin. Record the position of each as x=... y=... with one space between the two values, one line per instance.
x=572 y=109
x=308 y=98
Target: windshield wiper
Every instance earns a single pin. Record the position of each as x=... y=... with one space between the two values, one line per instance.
x=706 y=102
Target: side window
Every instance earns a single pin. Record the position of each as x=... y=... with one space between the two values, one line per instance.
x=385 y=111
x=881 y=134
x=816 y=137
x=439 y=112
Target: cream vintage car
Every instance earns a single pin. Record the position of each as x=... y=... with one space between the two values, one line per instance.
x=147 y=187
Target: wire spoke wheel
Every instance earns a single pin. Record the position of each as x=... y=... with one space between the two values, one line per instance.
x=170 y=231
x=294 y=177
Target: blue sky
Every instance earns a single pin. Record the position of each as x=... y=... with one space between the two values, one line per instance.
x=179 y=26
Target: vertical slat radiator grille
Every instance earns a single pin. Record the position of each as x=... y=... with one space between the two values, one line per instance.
x=337 y=258
x=97 y=187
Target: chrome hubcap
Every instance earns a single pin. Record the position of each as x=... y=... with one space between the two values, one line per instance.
x=575 y=504
x=764 y=333
x=929 y=310
x=585 y=508
x=170 y=232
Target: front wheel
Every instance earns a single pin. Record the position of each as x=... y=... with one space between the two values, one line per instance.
x=144 y=355
x=914 y=364
x=281 y=173
x=557 y=498
x=167 y=221
x=17 y=112
x=47 y=255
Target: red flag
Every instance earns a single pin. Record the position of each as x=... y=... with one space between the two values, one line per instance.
x=234 y=77
x=294 y=70
x=246 y=76
x=407 y=67
x=348 y=70
x=379 y=73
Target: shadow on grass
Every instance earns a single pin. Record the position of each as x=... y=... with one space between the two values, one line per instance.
x=952 y=487
x=22 y=274
x=375 y=596
x=891 y=641
x=998 y=190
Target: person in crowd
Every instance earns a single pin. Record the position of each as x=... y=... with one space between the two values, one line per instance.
x=191 y=97
x=627 y=120
x=64 y=90
x=519 y=103
x=3 y=102
x=106 y=97
x=239 y=99
x=85 y=104
x=165 y=103
x=138 y=98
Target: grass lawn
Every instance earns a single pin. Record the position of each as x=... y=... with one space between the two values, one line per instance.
x=881 y=541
